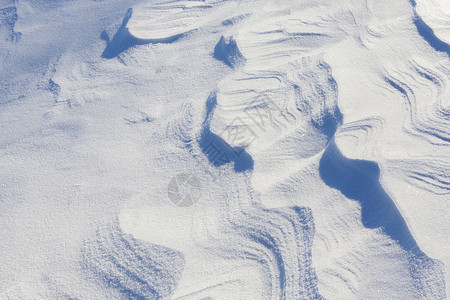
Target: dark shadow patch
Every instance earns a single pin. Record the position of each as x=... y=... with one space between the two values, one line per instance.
x=360 y=180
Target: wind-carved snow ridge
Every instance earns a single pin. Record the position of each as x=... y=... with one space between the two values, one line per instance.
x=359 y=180
x=122 y=40
x=136 y=269
x=428 y=33
x=158 y=23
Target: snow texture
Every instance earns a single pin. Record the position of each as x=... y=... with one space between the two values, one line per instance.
x=312 y=136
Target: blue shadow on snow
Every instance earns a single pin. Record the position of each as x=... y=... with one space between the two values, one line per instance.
x=427 y=32
x=123 y=39
x=216 y=149
x=359 y=180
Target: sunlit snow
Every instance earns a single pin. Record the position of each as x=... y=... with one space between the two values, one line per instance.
x=229 y=149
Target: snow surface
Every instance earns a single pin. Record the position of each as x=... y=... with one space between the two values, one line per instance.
x=225 y=149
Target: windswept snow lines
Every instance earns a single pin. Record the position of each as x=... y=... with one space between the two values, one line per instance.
x=359 y=180
x=362 y=131
x=424 y=92
x=168 y=21
x=286 y=33
x=280 y=241
x=430 y=173
x=136 y=269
